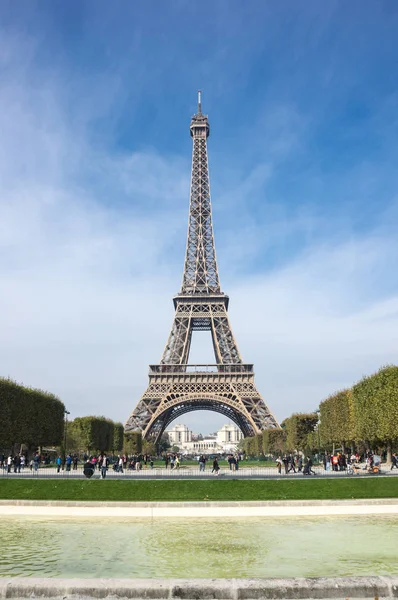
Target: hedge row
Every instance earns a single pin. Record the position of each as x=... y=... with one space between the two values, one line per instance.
x=29 y=416
x=366 y=414
x=94 y=434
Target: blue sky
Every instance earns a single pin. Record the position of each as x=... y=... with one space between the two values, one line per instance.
x=95 y=104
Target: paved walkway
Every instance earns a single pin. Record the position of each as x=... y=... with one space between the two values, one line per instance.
x=277 y=508
x=192 y=473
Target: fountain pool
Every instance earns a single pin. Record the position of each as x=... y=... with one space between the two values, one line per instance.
x=198 y=548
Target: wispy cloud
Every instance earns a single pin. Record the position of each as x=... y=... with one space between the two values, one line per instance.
x=92 y=232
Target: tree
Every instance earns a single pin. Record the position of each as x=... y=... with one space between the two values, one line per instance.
x=118 y=437
x=92 y=434
x=297 y=427
x=29 y=416
x=132 y=443
x=273 y=441
x=337 y=424
x=175 y=448
x=148 y=448
x=375 y=407
x=164 y=443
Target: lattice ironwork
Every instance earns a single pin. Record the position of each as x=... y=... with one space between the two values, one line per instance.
x=173 y=388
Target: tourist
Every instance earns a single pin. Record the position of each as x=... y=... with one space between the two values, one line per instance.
x=177 y=462
x=216 y=468
x=279 y=464
x=59 y=463
x=9 y=462
x=166 y=461
x=17 y=463
x=23 y=461
x=394 y=461
x=308 y=467
x=151 y=462
x=236 y=462
x=75 y=461
x=68 y=462
x=120 y=464
x=36 y=461
x=104 y=465
x=285 y=461
x=172 y=462
x=335 y=462
x=202 y=463
x=300 y=463
x=291 y=464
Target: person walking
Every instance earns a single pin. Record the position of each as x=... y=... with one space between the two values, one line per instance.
x=68 y=462
x=75 y=461
x=59 y=463
x=279 y=464
x=394 y=461
x=236 y=462
x=9 y=462
x=300 y=464
x=216 y=468
x=36 y=461
x=308 y=467
x=120 y=464
x=17 y=463
x=104 y=465
x=23 y=461
x=291 y=464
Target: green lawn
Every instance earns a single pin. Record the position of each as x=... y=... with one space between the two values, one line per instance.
x=190 y=490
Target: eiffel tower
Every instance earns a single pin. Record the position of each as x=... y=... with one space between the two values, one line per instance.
x=175 y=387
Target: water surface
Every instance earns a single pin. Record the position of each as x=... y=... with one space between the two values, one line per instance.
x=257 y=547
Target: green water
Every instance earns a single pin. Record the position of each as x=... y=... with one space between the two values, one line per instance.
x=296 y=547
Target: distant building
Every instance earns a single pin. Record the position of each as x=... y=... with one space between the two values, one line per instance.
x=222 y=442
x=179 y=434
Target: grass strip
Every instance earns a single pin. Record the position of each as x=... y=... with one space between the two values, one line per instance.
x=190 y=490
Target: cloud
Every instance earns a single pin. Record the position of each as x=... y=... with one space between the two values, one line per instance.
x=92 y=241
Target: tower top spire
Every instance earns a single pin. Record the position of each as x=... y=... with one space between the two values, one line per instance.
x=199 y=102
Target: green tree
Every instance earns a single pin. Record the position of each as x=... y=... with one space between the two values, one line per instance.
x=375 y=407
x=337 y=424
x=273 y=441
x=164 y=443
x=148 y=448
x=297 y=427
x=132 y=443
x=29 y=416
x=118 y=437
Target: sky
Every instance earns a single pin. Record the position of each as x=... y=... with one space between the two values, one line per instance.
x=95 y=103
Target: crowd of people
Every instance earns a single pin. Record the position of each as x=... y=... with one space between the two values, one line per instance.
x=338 y=461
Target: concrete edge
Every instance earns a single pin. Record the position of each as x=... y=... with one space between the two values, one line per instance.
x=195 y=510
x=200 y=589
x=201 y=504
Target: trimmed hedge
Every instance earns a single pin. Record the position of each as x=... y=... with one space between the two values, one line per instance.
x=118 y=437
x=29 y=416
x=273 y=441
x=132 y=443
x=375 y=406
x=91 y=434
x=297 y=429
x=337 y=423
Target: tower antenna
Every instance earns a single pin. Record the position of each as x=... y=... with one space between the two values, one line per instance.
x=200 y=102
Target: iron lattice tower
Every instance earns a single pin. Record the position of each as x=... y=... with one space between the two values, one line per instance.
x=174 y=386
